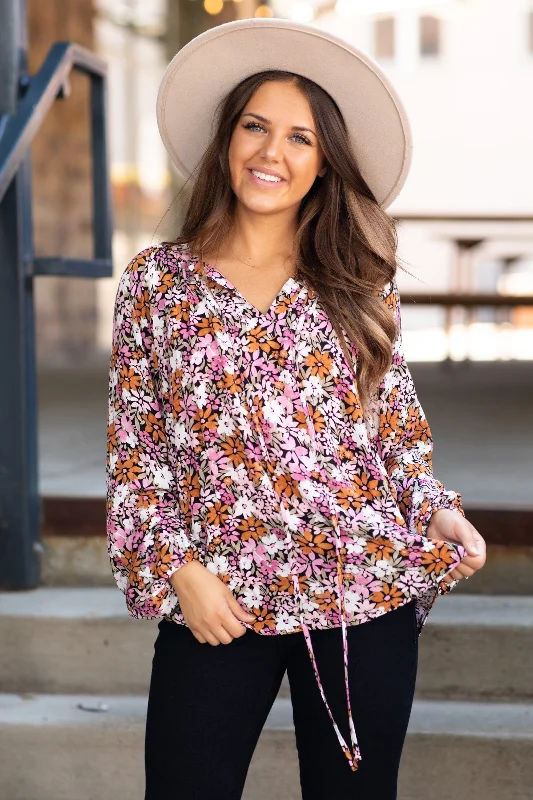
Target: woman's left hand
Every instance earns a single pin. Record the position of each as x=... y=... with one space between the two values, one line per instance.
x=447 y=525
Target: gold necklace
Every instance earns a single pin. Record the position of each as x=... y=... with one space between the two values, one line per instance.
x=240 y=259
x=244 y=262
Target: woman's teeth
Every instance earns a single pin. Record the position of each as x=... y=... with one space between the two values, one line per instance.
x=265 y=177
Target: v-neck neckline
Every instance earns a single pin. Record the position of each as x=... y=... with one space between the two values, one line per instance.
x=290 y=285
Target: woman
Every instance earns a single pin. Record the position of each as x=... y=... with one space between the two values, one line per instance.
x=270 y=466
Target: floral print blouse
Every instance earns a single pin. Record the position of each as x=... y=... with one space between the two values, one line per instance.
x=236 y=437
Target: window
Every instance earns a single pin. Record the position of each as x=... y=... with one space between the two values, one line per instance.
x=430 y=36
x=384 y=37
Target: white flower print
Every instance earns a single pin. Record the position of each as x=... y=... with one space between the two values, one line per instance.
x=226 y=424
x=138 y=400
x=162 y=476
x=244 y=507
x=272 y=544
x=245 y=562
x=273 y=411
x=251 y=597
x=286 y=622
x=219 y=565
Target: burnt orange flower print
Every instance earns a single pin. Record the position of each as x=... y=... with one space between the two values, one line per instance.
x=180 y=312
x=352 y=406
x=251 y=528
x=366 y=486
x=155 y=427
x=217 y=514
x=135 y=563
x=348 y=497
x=205 y=418
x=165 y=283
x=141 y=307
x=127 y=470
x=421 y=428
x=163 y=563
x=389 y=597
x=257 y=340
x=255 y=470
x=177 y=404
x=233 y=449
x=345 y=453
x=286 y=485
x=309 y=543
x=263 y=618
x=438 y=559
x=191 y=484
x=380 y=545
x=282 y=584
x=317 y=417
x=146 y=499
x=214 y=544
x=129 y=379
x=389 y=423
x=283 y=306
x=112 y=441
x=231 y=383
x=320 y=364
x=326 y=601
x=209 y=325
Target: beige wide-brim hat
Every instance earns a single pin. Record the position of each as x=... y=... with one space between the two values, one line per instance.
x=214 y=62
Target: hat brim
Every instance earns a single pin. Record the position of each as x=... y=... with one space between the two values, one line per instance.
x=214 y=62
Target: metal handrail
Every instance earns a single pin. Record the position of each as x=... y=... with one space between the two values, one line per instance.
x=18 y=131
x=41 y=94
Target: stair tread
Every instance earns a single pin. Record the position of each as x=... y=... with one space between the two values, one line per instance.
x=109 y=602
x=431 y=717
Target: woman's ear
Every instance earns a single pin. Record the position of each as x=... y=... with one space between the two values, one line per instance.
x=322 y=172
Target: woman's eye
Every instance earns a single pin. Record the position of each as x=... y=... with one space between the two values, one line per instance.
x=305 y=139
x=250 y=125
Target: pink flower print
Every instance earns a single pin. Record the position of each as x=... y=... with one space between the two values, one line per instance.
x=366 y=611
x=138 y=400
x=124 y=429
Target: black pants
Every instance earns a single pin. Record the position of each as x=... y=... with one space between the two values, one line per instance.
x=208 y=704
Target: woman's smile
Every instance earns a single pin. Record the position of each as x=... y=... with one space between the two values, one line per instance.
x=264 y=179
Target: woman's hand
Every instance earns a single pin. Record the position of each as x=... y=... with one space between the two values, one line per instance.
x=209 y=608
x=447 y=525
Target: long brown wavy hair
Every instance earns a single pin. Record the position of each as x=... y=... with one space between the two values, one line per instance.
x=345 y=245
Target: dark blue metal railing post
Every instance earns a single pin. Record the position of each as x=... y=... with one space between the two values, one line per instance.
x=19 y=503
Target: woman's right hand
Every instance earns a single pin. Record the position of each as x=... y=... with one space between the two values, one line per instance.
x=209 y=608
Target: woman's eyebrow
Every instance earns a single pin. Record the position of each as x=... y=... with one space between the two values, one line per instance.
x=268 y=122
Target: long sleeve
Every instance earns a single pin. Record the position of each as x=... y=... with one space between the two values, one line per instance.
x=404 y=439
x=146 y=529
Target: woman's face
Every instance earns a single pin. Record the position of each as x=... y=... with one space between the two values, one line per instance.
x=265 y=140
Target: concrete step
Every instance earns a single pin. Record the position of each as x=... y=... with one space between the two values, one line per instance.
x=459 y=749
x=83 y=640
x=74 y=556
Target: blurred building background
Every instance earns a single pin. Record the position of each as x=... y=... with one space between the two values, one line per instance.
x=464 y=69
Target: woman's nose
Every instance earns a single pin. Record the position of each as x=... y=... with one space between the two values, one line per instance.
x=272 y=148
